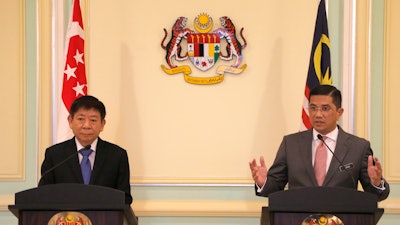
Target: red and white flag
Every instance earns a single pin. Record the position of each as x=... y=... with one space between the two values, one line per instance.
x=74 y=83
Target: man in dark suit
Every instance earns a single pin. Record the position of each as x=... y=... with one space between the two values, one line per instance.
x=295 y=159
x=109 y=162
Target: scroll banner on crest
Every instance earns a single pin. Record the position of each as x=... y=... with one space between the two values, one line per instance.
x=203 y=80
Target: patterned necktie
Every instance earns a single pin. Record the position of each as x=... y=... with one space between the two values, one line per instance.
x=320 y=162
x=85 y=165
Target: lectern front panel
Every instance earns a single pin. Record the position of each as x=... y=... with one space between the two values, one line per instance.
x=96 y=217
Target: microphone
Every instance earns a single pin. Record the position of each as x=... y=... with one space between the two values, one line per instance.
x=61 y=163
x=319 y=136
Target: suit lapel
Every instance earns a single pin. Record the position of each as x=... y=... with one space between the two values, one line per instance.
x=70 y=149
x=340 y=152
x=100 y=159
x=306 y=148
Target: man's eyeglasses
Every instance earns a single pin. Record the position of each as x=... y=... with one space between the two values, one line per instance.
x=324 y=108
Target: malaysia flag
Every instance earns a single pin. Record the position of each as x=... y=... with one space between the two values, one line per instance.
x=319 y=70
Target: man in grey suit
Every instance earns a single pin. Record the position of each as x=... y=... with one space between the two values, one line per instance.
x=294 y=162
x=109 y=162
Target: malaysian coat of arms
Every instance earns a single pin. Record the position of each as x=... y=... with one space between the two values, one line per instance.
x=204 y=48
x=69 y=218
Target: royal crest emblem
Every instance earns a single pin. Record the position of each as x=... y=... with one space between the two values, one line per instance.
x=322 y=219
x=69 y=218
x=204 y=48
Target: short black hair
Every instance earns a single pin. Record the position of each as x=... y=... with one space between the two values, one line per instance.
x=88 y=102
x=328 y=90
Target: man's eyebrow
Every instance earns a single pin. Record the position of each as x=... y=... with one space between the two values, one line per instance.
x=321 y=105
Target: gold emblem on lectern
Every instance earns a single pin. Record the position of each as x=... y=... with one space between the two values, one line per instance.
x=322 y=219
x=69 y=218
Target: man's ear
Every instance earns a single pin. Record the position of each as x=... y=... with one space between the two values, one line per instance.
x=103 y=123
x=339 y=113
x=69 y=120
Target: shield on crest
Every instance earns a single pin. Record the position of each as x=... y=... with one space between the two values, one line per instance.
x=203 y=49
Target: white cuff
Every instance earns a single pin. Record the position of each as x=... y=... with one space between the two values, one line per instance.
x=259 y=189
x=381 y=186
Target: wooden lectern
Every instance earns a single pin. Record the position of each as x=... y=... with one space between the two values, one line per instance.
x=292 y=207
x=102 y=205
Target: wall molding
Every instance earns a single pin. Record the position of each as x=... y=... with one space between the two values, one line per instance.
x=191 y=181
x=44 y=78
x=13 y=151
x=362 y=68
x=391 y=93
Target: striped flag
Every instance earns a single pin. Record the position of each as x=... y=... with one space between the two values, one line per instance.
x=319 y=70
x=74 y=82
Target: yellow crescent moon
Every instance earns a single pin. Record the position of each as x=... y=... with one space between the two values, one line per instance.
x=200 y=30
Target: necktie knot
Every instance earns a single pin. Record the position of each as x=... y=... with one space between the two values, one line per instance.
x=86 y=152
